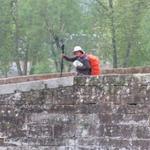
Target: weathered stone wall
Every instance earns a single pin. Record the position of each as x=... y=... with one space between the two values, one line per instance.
x=110 y=112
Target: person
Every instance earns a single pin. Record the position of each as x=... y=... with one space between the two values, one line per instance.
x=80 y=61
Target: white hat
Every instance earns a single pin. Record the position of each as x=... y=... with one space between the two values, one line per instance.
x=78 y=48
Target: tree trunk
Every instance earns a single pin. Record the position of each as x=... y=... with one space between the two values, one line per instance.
x=126 y=61
x=113 y=31
x=32 y=66
x=14 y=5
x=25 y=68
x=19 y=68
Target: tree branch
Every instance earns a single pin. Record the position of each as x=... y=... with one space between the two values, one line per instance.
x=102 y=5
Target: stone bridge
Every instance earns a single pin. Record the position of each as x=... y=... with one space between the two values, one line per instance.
x=46 y=112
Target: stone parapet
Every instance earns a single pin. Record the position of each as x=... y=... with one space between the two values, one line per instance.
x=110 y=112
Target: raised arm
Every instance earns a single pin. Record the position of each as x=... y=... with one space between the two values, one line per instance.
x=71 y=59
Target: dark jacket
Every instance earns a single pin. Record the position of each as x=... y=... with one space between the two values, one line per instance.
x=85 y=69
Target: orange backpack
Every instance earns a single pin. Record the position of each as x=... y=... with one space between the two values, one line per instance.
x=95 y=64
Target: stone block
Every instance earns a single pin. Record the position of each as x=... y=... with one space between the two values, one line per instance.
x=64 y=96
x=130 y=119
x=52 y=118
x=48 y=96
x=118 y=131
x=36 y=98
x=105 y=118
x=119 y=144
x=62 y=109
x=87 y=125
x=64 y=130
x=93 y=108
x=143 y=132
x=127 y=109
x=141 y=144
x=82 y=94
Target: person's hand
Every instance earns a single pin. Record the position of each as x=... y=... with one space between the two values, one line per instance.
x=62 y=55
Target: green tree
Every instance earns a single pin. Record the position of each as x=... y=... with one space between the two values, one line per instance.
x=5 y=38
x=121 y=21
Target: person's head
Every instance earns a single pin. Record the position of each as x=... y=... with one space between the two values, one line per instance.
x=78 y=51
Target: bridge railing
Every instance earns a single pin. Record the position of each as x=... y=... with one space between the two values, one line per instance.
x=17 y=79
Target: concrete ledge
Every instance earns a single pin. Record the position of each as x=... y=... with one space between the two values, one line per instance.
x=36 y=85
x=33 y=78
x=135 y=70
x=132 y=70
x=115 y=79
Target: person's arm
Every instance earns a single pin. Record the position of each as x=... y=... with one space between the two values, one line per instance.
x=71 y=59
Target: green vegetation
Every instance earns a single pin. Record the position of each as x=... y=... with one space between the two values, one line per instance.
x=31 y=32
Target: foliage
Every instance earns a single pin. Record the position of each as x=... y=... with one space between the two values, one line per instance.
x=32 y=32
